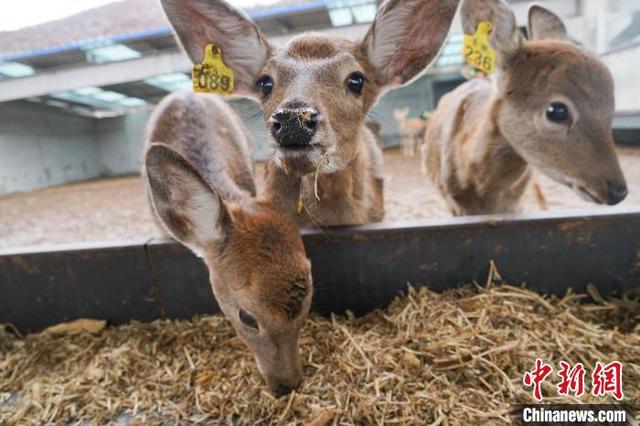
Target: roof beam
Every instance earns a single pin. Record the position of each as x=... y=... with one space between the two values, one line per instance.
x=105 y=74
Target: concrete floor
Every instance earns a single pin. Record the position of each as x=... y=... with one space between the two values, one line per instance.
x=115 y=209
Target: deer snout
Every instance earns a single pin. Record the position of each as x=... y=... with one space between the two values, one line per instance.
x=283 y=390
x=294 y=127
x=283 y=374
x=616 y=193
x=281 y=386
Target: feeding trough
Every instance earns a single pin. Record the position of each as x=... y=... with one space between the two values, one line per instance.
x=355 y=268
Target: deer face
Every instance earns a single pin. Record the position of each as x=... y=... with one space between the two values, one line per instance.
x=314 y=95
x=556 y=101
x=565 y=112
x=264 y=287
x=316 y=91
x=259 y=272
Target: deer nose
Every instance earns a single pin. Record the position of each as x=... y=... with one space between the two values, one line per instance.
x=616 y=193
x=282 y=390
x=284 y=386
x=294 y=127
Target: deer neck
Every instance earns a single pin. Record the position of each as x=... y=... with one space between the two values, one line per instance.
x=337 y=185
x=495 y=165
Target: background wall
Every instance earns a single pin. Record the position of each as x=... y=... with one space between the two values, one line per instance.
x=43 y=147
x=119 y=143
x=623 y=66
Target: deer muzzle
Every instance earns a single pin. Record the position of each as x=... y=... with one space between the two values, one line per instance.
x=616 y=193
x=294 y=127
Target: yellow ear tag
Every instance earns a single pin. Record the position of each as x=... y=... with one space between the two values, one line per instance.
x=477 y=49
x=299 y=206
x=212 y=75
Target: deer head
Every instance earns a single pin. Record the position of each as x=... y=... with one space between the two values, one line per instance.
x=316 y=91
x=257 y=264
x=555 y=101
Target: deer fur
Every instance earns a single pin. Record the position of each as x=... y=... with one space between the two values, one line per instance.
x=337 y=177
x=198 y=170
x=484 y=138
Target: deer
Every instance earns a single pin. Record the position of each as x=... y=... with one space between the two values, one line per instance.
x=315 y=92
x=198 y=171
x=549 y=107
x=411 y=131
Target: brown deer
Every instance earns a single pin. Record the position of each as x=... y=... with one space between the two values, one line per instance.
x=199 y=174
x=411 y=131
x=549 y=106
x=315 y=93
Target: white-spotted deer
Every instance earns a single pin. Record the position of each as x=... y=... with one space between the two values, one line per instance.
x=550 y=105
x=199 y=173
x=411 y=131
x=315 y=93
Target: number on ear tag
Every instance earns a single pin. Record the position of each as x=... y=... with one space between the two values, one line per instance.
x=477 y=49
x=212 y=75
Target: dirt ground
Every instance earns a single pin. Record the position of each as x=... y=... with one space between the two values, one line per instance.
x=115 y=209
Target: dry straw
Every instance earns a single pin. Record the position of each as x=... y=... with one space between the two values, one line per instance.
x=442 y=359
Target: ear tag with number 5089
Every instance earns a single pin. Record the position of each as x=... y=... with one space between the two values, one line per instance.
x=212 y=75
x=477 y=49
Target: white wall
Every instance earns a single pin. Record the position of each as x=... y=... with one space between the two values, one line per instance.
x=42 y=148
x=624 y=67
x=119 y=142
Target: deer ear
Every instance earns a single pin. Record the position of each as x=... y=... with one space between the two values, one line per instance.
x=406 y=36
x=505 y=37
x=201 y=22
x=190 y=210
x=546 y=25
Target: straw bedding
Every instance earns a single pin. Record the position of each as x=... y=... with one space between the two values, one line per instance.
x=452 y=358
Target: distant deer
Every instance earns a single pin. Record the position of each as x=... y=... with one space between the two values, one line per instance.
x=550 y=106
x=315 y=93
x=411 y=131
x=199 y=173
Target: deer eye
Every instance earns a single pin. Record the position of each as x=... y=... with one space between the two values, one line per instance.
x=558 y=112
x=355 y=83
x=247 y=319
x=265 y=85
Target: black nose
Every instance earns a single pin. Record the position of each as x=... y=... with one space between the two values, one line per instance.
x=617 y=193
x=294 y=127
x=282 y=390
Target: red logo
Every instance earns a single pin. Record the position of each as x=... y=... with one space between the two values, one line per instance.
x=605 y=379
x=536 y=377
x=572 y=379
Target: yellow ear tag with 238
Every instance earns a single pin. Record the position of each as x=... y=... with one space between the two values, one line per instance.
x=477 y=49
x=212 y=75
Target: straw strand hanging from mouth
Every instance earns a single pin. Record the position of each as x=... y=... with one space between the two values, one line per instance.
x=315 y=183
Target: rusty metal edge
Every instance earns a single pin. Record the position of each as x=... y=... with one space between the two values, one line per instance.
x=356 y=268
x=374 y=228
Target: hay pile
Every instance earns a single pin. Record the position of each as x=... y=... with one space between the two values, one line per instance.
x=452 y=358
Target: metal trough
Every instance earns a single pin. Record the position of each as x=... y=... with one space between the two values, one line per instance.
x=356 y=268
